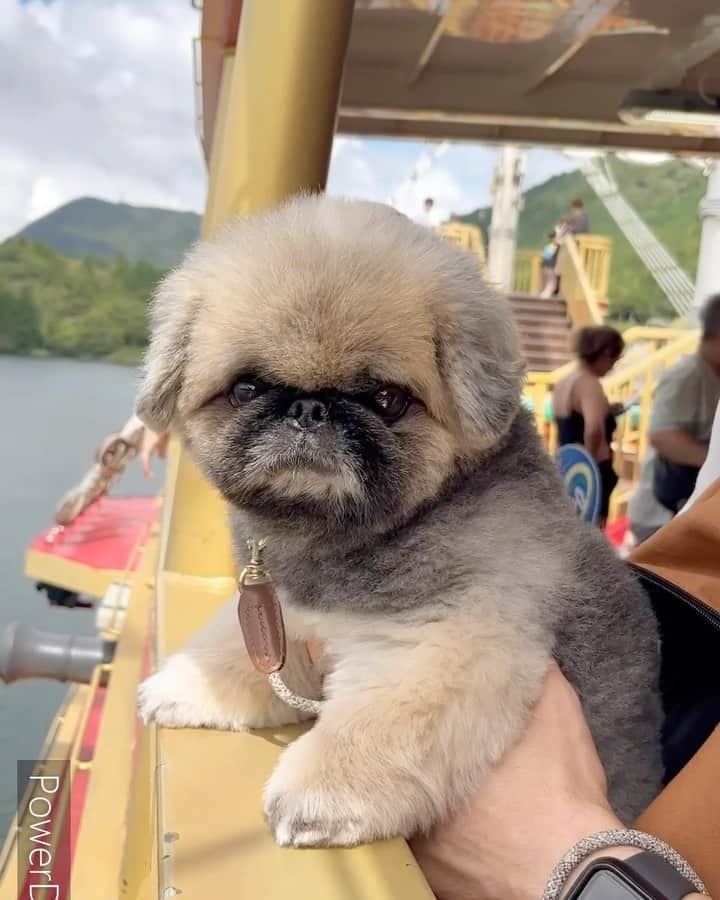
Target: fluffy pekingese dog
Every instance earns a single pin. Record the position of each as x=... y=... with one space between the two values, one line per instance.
x=352 y=387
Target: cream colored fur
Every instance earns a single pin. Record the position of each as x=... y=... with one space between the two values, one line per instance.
x=212 y=683
x=413 y=714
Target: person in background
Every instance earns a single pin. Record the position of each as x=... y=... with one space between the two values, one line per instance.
x=552 y=285
x=679 y=430
x=429 y=216
x=549 y=280
x=582 y=412
x=152 y=444
x=579 y=223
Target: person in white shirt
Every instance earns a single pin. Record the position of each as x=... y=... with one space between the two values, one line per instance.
x=429 y=216
x=710 y=470
x=679 y=430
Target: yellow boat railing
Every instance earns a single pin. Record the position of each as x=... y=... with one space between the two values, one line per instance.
x=115 y=767
x=66 y=727
x=469 y=237
x=527 y=276
x=584 y=275
x=116 y=781
x=584 y=306
x=595 y=252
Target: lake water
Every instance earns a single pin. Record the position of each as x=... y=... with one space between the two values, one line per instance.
x=53 y=415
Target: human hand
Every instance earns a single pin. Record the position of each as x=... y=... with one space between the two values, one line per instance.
x=152 y=442
x=547 y=793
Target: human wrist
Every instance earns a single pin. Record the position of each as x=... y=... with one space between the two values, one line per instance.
x=582 y=822
x=575 y=822
x=457 y=872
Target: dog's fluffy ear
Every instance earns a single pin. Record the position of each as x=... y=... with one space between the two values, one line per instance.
x=172 y=312
x=477 y=350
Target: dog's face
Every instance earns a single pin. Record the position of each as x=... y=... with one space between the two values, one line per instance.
x=330 y=361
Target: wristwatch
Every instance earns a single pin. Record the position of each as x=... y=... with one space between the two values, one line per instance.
x=645 y=876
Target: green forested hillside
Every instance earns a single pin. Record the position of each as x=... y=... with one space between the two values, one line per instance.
x=92 y=227
x=60 y=306
x=665 y=196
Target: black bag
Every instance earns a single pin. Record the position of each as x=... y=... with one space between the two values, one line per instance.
x=673 y=483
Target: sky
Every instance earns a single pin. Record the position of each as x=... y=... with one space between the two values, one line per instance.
x=97 y=100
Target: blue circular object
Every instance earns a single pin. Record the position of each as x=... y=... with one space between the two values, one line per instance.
x=581 y=478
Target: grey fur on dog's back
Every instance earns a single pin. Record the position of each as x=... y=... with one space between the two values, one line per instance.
x=505 y=529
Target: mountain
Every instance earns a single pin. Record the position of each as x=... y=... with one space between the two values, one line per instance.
x=666 y=197
x=92 y=227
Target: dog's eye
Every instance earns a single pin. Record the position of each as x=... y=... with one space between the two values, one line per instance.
x=244 y=390
x=391 y=402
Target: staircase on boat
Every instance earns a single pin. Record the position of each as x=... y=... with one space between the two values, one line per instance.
x=545 y=325
x=544 y=328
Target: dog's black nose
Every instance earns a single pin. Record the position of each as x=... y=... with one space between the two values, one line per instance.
x=308 y=412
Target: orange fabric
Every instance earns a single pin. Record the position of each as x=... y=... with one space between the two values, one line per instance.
x=687 y=813
x=686 y=552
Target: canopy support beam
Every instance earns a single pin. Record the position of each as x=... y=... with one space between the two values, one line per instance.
x=575 y=29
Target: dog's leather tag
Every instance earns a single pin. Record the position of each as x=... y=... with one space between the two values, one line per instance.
x=262 y=625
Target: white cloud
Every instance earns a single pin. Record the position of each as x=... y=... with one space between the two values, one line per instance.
x=97 y=100
x=352 y=173
x=438 y=183
x=400 y=172
x=46 y=194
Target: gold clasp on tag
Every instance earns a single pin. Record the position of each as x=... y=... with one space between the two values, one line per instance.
x=255 y=568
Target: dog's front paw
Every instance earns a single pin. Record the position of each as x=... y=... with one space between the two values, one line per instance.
x=167 y=699
x=184 y=694
x=315 y=798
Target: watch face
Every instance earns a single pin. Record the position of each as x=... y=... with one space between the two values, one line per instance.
x=606 y=885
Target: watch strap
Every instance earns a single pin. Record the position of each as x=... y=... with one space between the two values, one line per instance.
x=660 y=874
x=617 y=837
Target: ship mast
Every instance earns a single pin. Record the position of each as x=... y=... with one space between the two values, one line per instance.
x=507 y=203
x=706 y=280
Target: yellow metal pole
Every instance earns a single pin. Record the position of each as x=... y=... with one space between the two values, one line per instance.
x=275 y=124
x=535 y=273
x=219 y=138
x=282 y=104
x=195 y=537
